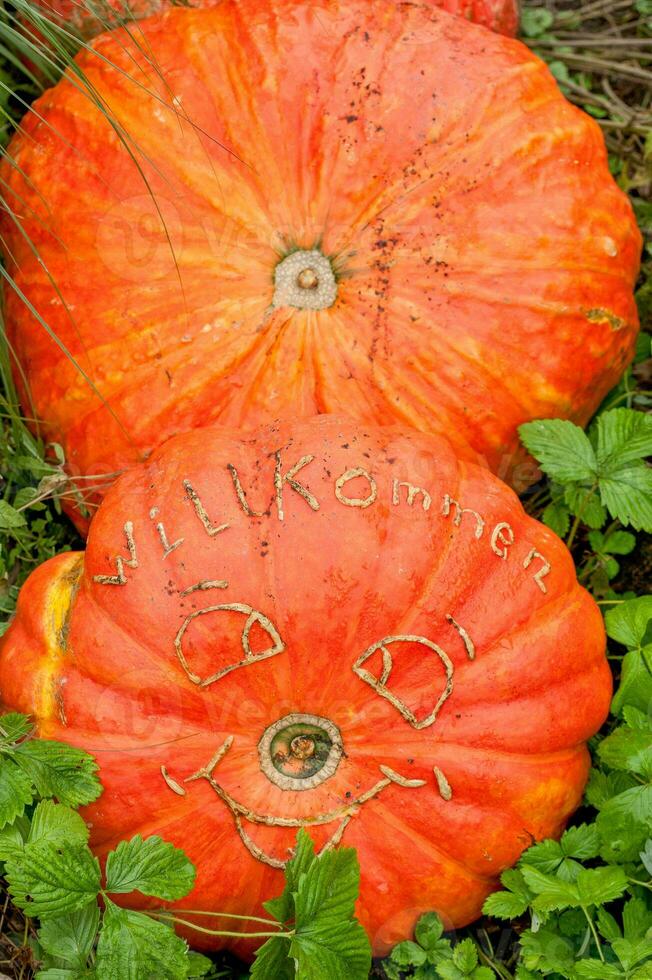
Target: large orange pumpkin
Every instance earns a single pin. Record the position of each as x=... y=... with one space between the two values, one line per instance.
x=319 y=625
x=337 y=206
x=89 y=19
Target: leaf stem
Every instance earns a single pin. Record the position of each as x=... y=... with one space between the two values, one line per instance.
x=594 y=931
x=220 y=932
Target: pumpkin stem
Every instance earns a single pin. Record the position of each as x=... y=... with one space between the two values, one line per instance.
x=300 y=751
x=305 y=279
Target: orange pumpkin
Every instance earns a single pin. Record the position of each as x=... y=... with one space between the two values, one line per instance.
x=320 y=625
x=90 y=20
x=336 y=206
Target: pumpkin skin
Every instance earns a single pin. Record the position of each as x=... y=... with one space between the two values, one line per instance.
x=482 y=257
x=502 y=663
x=497 y=15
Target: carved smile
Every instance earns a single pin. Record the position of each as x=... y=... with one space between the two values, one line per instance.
x=343 y=815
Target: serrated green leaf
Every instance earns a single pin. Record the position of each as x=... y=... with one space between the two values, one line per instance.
x=547 y=952
x=535 y=21
x=621 y=836
x=551 y=893
x=619 y=543
x=627 y=749
x=581 y=842
x=556 y=516
x=629 y=622
x=55 y=822
x=15 y=791
x=637 y=919
x=636 y=719
x=628 y=496
x=429 y=930
x=585 y=502
x=132 y=946
x=331 y=950
x=328 y=889
x=282 y=908
x=546 y=856
x=53 y=879
x=607 y=925
x=646 y=856
x=13 y=837
x=10 y=518
x=152 y=867
x=630 y=953
x=635 y=802
x=325 y=932
x=198 y=965
x=624 y=436
x=505 y=905
x=13 y=727
x=597 y=886
x=465 y=956
x=273 y=960
x=71 y=937
x=408 y=953
x=561 y=448
x=597 y=970
x=59 y=770
x=635 y=686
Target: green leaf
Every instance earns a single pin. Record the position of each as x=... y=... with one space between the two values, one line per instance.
x=547 y=952
x=152 y=867
x=637 y=919
x=408 y=953
x=535 y=21
x=329 y=887
x=635 y=688
x=132 y=946
x=581 y=842
x=331 y=950
x=557 y=517
x=59 y=770
x=627 y=495
x=628 y=623
x=551 y=893
x=505 y=905
x=13 y=837
x=586 y=503
x=282 y=908
x=561 y=448
x=619 y=543
x=198 y=965
x=597 y=970
x=429 y=930
x=597 y=886
x=53 y=879
x=71 y=937
x=607 y=925
x=273 y=961
x=55 y=822
x=325 y=932
x=13 y=727
x=15 y=791
x=9 y=517
x=465 y=956
x=624 y=436
x=628 y=749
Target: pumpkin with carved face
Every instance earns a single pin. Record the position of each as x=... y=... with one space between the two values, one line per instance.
x=327 y=626
x=333 y=206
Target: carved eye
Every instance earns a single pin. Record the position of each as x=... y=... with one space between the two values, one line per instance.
x=206 y=638
x=421 y=674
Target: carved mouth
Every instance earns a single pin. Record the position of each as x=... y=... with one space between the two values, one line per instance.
x=341 y=815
